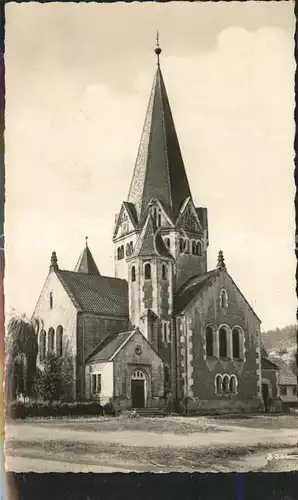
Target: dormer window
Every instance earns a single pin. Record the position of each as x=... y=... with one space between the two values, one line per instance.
x=51 y=301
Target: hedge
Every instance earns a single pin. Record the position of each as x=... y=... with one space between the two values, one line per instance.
x=19 y=409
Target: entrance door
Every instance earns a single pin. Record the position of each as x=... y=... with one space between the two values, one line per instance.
x=265 y=393
x=138 y=389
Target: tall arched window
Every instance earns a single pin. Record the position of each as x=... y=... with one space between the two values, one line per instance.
x=193 y=248
x=133 y=273
x=127 y=249
x=51 y=301
x=51 y=340
x=223 y=341
x=168 y=242
x=118 y=253
x=199 y=248
x=122 y=251
x=131 y=247
x=218 y=384
x=186 y=246
x=233 y=384
x=236 y=343
x=147 y=271
x=209 y=341
x=225 y=384
x=166 y=376
x=159 y=219
x=42 y=345
x=59 y=341
x=164 y=272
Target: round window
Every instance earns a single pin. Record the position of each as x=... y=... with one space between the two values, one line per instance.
x=138 y=349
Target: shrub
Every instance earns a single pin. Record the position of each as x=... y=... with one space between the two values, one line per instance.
x=19 y=409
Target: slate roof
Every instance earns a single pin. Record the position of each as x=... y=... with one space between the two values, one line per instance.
x=286 y=375
x=108 y=347
x=268 y=365
x=86 y=263
x=189 y=291
x=95 y=293
x=159 y=169
x=150 y=242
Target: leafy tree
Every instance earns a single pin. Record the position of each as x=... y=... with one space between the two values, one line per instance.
x=21 y=353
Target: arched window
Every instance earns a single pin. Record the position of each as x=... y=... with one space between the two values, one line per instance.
x=218 y=384
x=154 y=215
x=236 y=343
x=233 y=384
x=138 y=375
x=127 y=249
x=51 y=340
x=159 y=219
x=59 y=341
x=51 y=301
x=164 y=272
x=181 y=245
x=223 y=347
x=122 y=251
x=168 y=242
x=209 y=341
x=133 y=273
x=223 y=299
x=199 y=248
x=131 y=247
x=226 y=384
x=147 y=271
x=42 y=345
x=193 y=248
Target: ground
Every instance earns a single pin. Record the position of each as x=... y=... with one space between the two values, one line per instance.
x=166 y=444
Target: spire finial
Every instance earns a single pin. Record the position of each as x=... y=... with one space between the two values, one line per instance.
x=221 y=261
x=157 y=49
x=54 y=262
x=86 y=240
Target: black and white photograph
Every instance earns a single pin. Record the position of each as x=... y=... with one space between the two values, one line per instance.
x=150 y=300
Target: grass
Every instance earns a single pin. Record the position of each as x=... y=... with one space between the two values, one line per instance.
x=146 y=458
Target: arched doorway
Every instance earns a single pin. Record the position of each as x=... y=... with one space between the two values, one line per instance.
x=138 y=389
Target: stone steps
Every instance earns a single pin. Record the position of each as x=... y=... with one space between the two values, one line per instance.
x=150 y=412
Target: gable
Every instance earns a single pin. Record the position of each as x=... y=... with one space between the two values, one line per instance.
x=188 y=218
x=128 y=349
x=125 y=222
x=60 y=297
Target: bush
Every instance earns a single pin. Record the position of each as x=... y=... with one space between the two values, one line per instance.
x=19 y=409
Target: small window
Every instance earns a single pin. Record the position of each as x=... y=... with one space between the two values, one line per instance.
x=133 y=273
x=42 y=345
x=159 y=220
x=283 y=390
x=181 y=245
x=209 y=341
x=51 y=340
x=59 y=341
x=223 y=299
x=147 y=271
x=96 y=383
x=233 y=384
x=225 y=384
x=218 y=384
x=51 y=301
x=186 y=246
x=168 y=242
x=199 y=248
x=164 y=272
x=223 y=347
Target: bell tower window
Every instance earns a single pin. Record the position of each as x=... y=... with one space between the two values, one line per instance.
x=133 y=273
x=164 y=272
x=147 y=271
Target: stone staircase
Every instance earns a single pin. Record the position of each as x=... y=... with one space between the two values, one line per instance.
x=150 y=412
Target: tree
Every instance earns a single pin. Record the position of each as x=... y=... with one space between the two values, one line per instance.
x=21 y=354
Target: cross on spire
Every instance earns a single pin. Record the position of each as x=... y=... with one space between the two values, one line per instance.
x=157 y=49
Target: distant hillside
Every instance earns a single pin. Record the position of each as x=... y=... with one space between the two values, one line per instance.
x=281 y=342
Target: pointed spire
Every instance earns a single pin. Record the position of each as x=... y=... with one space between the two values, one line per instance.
x=221 y=262
x=159 y=169
x=86 y=263
x=54 y=262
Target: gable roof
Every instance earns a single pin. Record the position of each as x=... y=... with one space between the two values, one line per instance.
x=150 y=242
x=109 y=346
x=189 y=291
x=94 y=293
x=286 y=375
x=268 y=365
x=159 y=169
x=86 y=263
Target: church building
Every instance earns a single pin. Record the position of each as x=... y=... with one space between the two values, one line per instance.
x=165 y=324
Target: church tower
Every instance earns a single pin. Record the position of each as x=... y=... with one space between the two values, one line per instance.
x=159 y=231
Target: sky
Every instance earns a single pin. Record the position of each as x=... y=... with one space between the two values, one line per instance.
x=78 y=78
